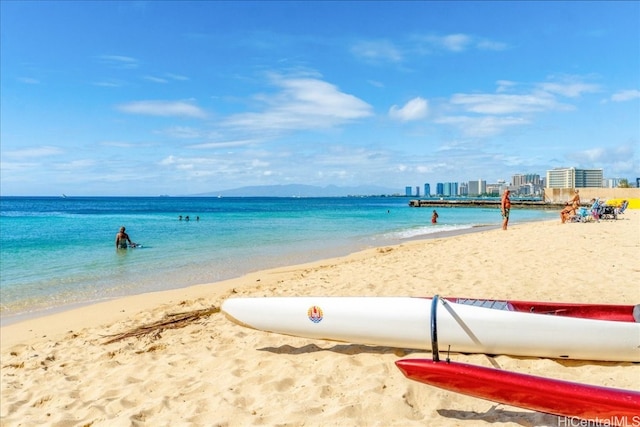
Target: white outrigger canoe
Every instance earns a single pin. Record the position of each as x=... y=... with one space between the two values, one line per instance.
x=432 y=323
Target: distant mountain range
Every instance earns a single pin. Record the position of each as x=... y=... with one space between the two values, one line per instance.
x=301 y=190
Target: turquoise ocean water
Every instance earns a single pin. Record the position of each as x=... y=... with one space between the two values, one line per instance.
x=57 y=252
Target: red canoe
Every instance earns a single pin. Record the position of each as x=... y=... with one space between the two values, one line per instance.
x=619 y=313
x=600 y=405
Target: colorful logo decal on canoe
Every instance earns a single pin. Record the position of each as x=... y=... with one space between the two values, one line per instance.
x=315 y=314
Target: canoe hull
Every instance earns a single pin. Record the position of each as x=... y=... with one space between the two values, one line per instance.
x=607 y=406
x=404 y=322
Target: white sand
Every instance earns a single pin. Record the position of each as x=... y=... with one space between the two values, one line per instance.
x=58 y=371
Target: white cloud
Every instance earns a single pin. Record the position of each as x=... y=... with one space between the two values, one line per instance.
x=601 y=155
x=177 y=76
x=118 y=61
x=169 y=160
x=29 y=80
x=163 y=108
x=182 y=132
x=224 y=144
x=482 y=127
x=10 y=170
x=505 y=85
x=75 y=165
x=415 y=109
x=109 y=83
x=34 y=152
x=456 y=43
x=381 y=50
x=155 y=79
x=569 y=89
x=625 y=95
x=385 y=51
x=617 y=160
x=504 y=103
x=303 y=103
x=488 y=114
x=117 y=144
x=491 y=45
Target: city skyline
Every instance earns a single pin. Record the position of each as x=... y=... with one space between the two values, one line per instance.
x=149 y=98
x=529 y=183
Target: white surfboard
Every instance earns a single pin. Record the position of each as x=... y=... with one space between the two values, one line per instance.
x=406 y=322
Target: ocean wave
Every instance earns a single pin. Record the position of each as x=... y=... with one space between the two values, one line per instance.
x=427 y=230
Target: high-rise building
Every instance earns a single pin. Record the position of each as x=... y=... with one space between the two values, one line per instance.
x=439 y=189
x=407 y=191
x=427 y=190
x=530 y=183
x=464 y=189
x=589 y=177
x=450 y=189
x=532 y=178
x=574 y=178
x=477 y=188
x=519 y=180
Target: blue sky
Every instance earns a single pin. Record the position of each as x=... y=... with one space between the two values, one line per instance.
x=148 y=98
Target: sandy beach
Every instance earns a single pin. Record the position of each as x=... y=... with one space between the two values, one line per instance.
x=170 y=358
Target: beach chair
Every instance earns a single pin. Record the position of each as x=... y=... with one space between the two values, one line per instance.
x=582 y=215
x=623 y=207
x=608 y=212
x=596 y=210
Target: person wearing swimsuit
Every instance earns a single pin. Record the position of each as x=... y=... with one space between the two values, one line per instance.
x=122 y=238
x=505 y=207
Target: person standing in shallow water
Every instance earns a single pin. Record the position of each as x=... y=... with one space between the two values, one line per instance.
x=434 y=217
x=505 y=207
x=122 y=238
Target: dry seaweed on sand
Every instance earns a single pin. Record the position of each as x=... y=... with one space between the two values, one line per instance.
x=171 y=321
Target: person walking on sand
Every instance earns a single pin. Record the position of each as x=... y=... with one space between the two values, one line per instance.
x=122 y=238
x=434 y=217
x=505 y=207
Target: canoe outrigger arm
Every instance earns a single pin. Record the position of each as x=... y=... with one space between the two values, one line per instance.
x=434 y=329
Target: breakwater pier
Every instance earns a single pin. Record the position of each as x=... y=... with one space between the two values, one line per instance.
x=451 y=203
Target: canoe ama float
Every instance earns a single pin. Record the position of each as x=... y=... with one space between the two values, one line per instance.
x=595 y=404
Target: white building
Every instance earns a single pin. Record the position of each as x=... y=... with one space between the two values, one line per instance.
x=477 y=188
